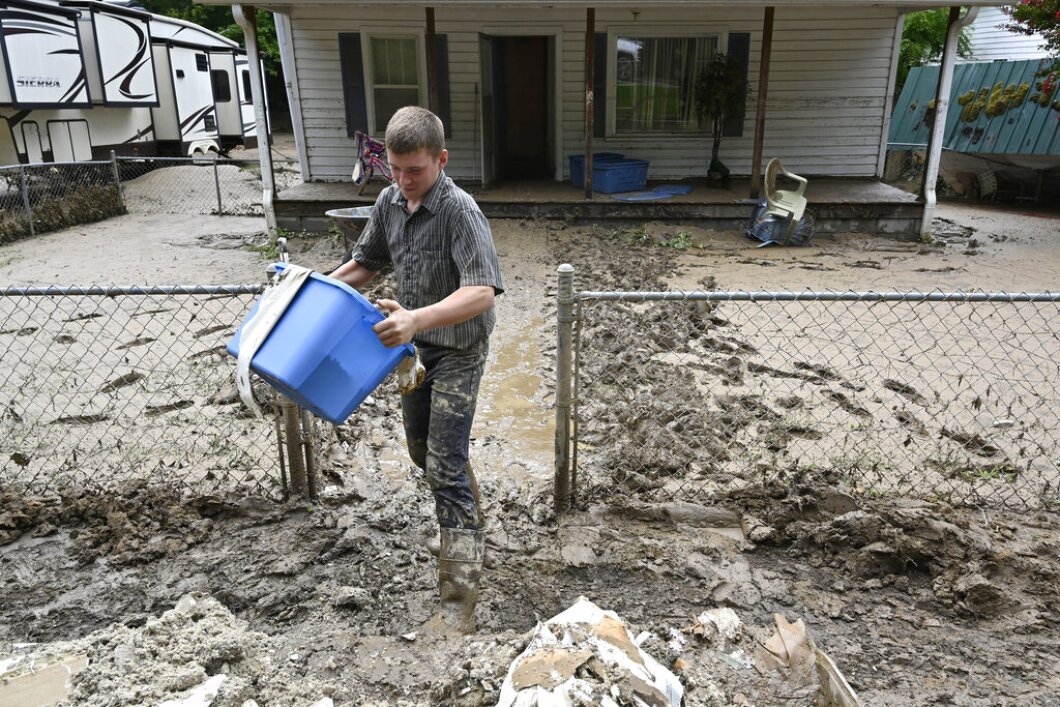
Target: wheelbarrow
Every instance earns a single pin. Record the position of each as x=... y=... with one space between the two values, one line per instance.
x=350 y=222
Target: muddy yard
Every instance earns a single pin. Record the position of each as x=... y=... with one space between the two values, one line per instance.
x=175 y=597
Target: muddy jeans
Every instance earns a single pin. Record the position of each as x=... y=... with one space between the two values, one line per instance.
x=438 y=418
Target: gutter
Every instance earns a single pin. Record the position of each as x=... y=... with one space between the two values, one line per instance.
x=257 y=94
x=942 y=104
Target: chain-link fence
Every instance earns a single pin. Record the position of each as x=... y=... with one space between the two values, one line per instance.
x=37 y=198
x=100 y=387
x=182 y=185
x=687 y=395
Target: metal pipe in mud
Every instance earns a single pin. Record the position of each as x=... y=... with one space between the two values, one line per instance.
x=283 y=461
x=565 y=321
x=308 y=445
x=293 y=433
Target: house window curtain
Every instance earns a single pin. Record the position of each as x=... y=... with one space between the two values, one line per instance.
x=655 y=79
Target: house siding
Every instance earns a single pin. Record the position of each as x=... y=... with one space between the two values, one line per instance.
x=826 y=110
x=989 y=42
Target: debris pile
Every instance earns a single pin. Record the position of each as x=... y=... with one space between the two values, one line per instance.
x=586 y=655
x=195 y=655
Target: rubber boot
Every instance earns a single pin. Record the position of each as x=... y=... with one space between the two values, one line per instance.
x=459 y=573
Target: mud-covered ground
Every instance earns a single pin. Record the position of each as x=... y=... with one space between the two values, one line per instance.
x=917 y=602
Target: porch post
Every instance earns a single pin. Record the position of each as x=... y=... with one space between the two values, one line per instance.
x=590 y=31
x=432 y=64
x=942 y=104
x=246 y=17
x=760 y=107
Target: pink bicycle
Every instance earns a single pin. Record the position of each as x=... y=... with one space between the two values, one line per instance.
x=371 y=158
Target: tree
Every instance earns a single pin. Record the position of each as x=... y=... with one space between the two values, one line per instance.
x=218 y=18
x=1037 y=17
x=721 y=93
x=923 y=39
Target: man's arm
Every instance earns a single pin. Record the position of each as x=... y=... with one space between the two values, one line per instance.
x=403 y=324
x=353 y=274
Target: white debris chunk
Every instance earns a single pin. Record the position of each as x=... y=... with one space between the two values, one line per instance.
x=717 y=623
x=586 y=655
x=199 y=696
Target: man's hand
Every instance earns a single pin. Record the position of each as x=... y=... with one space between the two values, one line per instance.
x=400 y=325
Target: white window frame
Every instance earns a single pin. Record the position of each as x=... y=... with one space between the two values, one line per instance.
x=643 y=30
x=370 y=33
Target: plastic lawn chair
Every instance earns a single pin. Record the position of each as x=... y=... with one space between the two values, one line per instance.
x=785 y=204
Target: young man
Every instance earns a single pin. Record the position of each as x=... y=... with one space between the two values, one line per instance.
x=447 y=275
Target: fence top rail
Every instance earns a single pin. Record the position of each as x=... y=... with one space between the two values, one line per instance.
x=118 y=291
x=196 y=160
x=849 y=296
x=29 y=165
x=192 y=160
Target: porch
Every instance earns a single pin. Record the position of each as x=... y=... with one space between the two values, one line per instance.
x=838 y=205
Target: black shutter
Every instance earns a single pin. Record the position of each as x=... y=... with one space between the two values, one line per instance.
x=353 y=82
x=441 y=52
x=600 y=84
x=740 y=51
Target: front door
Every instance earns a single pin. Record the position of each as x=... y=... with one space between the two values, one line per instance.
x=516 y=135
x=523 y=146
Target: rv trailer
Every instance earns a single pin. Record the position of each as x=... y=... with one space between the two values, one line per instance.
x=82 y=78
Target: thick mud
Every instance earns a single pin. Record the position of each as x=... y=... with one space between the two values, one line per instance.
x=297 y=603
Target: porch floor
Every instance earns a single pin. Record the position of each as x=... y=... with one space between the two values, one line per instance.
x=838 y=205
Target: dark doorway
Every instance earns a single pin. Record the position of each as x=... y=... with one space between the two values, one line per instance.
x=522 y=82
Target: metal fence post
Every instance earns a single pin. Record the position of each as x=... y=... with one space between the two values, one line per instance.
x=117 y=178
x=25 y=198
x=217 y=185
x=565 y=321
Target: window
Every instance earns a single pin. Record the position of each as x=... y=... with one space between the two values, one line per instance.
x=222 y=89
x=246 y=86
x=655 y=79
x=395 y=76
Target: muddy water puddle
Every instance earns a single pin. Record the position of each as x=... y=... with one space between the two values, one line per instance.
x=510 y=406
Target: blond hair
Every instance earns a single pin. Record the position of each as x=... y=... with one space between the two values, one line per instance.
x=413 y=128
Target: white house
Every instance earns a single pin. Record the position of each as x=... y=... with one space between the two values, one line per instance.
x=991 y=41
x=511 y=80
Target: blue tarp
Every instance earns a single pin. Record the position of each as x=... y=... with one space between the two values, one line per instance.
x=663 y=191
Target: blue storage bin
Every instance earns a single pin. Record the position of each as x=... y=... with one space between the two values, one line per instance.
x=611 y=176
x=577 y=165
x=322 y=353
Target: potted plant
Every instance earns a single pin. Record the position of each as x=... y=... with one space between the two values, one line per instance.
x=721 y=94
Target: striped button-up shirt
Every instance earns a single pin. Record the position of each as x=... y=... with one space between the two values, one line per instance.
x=444 y=245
